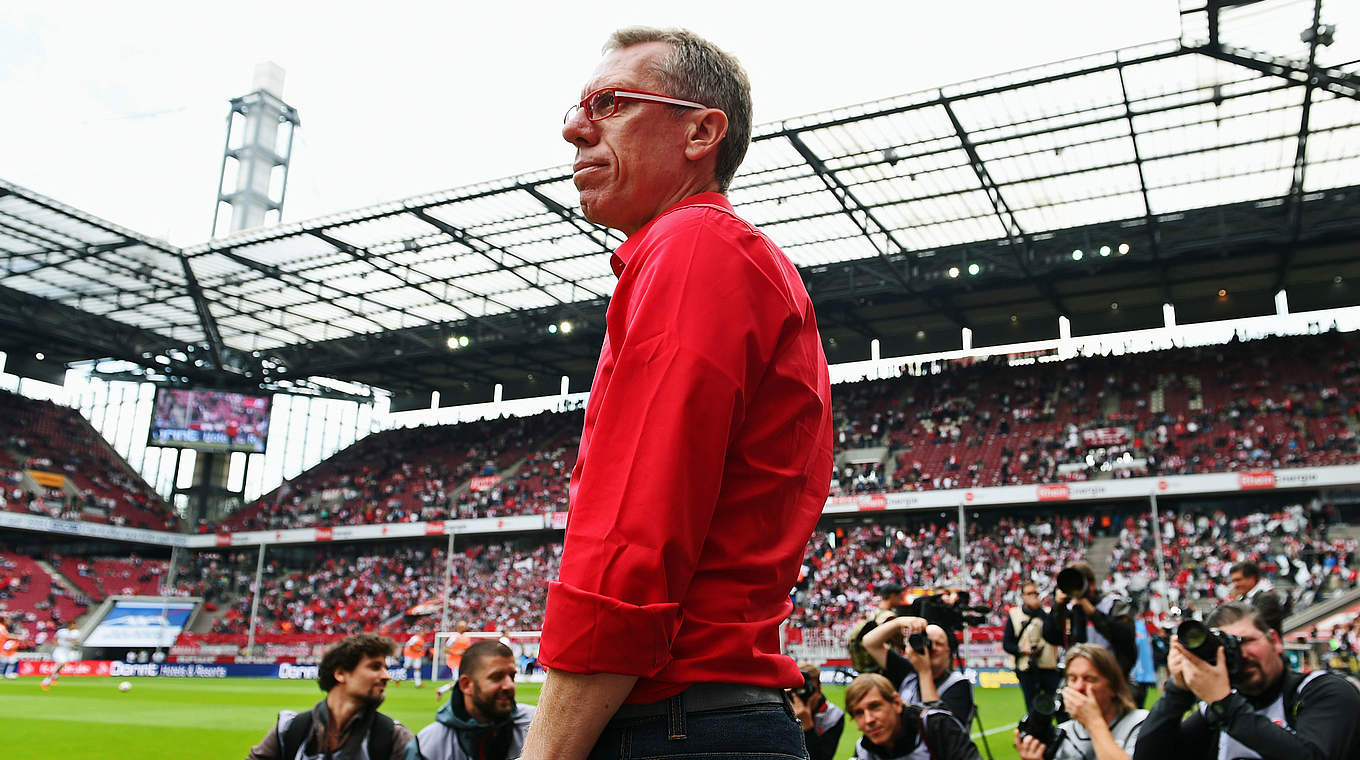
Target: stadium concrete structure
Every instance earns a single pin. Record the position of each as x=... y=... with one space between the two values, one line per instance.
x=1075 y=199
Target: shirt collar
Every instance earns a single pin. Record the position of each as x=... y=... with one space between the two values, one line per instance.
x=619 y=260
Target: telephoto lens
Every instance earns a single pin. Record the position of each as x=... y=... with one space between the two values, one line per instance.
x=1070 y=581
x=1199 y=639
x=1041 y=722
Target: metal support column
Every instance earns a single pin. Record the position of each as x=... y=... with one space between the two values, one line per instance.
x=1157 y=540
x=255 y=603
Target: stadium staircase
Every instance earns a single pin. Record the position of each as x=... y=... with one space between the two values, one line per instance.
x=60 y=579
x=1098 y=554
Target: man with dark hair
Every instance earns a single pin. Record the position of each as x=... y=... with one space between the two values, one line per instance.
x=704 y=460
x=1245 y=577
x=1248 y=586
x=346 y=723
x=891 y=728
x=1091 y=617
x=481 y=720
x=1264 y=710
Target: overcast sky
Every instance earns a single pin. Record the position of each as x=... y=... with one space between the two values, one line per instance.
x=119 y=109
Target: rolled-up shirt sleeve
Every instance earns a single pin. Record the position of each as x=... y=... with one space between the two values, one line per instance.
x=692 y=325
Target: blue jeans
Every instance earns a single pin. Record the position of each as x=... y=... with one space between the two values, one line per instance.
x=755 y=731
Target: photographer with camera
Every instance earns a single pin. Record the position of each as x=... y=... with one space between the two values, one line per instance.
x=923 y=671
x=823 y=723
x=1082 y=615
x=895 y=730
x=1250 y=704
x=1104 y=723
x=1036 y=660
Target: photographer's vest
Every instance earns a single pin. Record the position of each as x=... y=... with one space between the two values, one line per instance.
x=1043 y=655
x=921 y=751
x=1231 y=749
x=911 y=689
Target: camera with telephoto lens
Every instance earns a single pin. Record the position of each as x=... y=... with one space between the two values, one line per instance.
x=1204 y=643
x=1041 y=722
x=1072 y=582
x=953 y=617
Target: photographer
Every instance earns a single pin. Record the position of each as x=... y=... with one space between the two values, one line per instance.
x=1258 y=708
x=1082 y=615
x=922 y=673
x=1104 y=723
x=822 y=721
x=1036 y=660
x=893 y=729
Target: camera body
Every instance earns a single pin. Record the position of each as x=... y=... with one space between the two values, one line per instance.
x=1042 y=724
x=1204 y=643
x=951 y=616
x=809 y=687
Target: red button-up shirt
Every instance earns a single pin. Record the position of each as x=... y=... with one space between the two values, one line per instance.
x=704 y=463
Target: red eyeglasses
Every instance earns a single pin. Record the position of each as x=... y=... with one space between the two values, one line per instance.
x=604 y=102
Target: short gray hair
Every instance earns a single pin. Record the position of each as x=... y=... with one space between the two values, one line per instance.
x=700 y=71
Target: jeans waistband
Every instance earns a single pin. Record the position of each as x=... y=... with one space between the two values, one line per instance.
x=702 y=697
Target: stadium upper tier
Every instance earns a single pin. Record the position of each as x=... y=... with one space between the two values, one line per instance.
x=53 y=463
x=1276 y=403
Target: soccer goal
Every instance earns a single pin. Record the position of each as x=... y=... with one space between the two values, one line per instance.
x=524 y=645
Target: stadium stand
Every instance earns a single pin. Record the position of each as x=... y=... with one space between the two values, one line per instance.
x=101 y=578
x=409 y=474
x=86 y=480
x=1280 y=402
x=28 y=589
x=501 y=585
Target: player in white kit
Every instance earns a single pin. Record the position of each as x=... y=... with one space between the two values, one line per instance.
x=67 y=650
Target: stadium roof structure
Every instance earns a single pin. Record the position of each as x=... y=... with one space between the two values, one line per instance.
x=1192 y=172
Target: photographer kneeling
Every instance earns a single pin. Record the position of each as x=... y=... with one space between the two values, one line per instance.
x=1105 y=721
x=894 y=730
x=923 y=672
x=822 y=721
x=1250 y=704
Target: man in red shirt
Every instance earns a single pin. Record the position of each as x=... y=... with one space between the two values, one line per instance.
x=705 y=459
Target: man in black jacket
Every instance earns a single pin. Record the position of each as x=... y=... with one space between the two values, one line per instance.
x=1263 y=711
x=1093 y=618
x=346 y=723
x=894 y=729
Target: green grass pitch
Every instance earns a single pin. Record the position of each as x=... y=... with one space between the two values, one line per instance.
x=174 y=718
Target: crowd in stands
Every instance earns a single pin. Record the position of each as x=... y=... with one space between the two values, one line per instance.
x=53 y=463
x=1271 y=403
x=502 y=585
x=497 y=586
x=413 y=474
x=1279 y=402
x=1291 y=546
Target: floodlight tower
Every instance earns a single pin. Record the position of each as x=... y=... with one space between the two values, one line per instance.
x=254 y=174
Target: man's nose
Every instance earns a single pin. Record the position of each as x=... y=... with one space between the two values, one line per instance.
x=577 y=129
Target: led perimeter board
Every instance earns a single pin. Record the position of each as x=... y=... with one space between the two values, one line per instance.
x=209 y=420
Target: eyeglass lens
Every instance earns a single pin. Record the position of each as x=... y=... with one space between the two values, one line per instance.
x=601 y=105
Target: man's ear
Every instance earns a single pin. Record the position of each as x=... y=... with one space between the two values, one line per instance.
x=465 y=683
x=706 y=132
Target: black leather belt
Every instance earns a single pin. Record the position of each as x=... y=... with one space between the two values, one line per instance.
x=704 y=697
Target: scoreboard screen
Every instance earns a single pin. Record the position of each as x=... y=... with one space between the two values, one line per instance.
x=209 y=420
